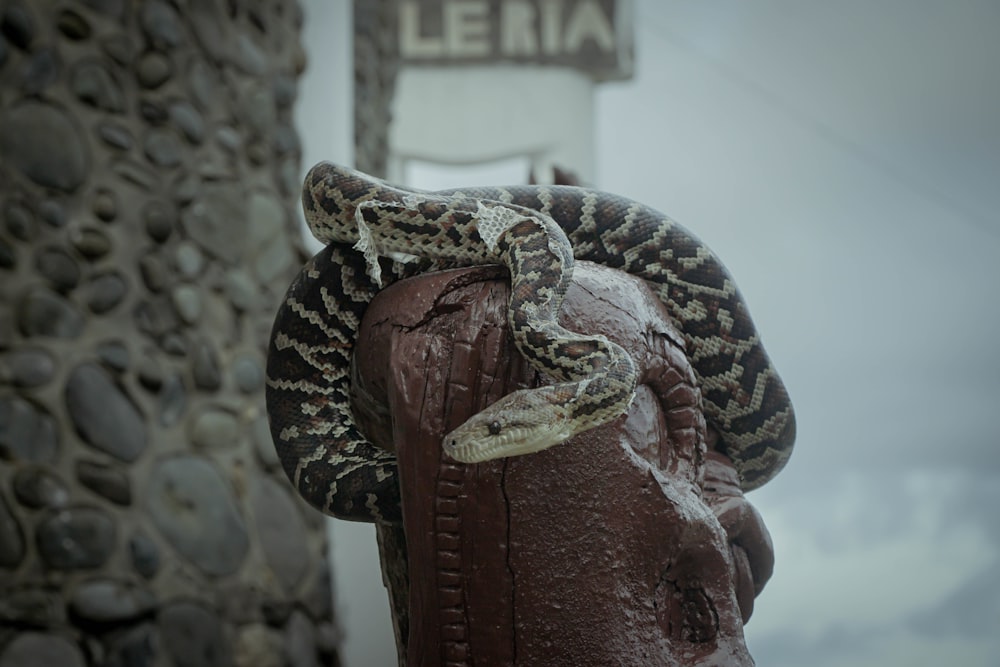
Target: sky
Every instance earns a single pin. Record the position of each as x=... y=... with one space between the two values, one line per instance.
x=842 y=158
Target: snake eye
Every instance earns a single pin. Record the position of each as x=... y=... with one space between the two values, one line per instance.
x=494 y=428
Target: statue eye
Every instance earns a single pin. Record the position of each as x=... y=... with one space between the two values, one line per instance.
x=495 y=428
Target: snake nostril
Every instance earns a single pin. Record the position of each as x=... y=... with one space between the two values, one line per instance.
x=494 y=428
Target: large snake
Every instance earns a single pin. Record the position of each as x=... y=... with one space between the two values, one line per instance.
x=536 y=232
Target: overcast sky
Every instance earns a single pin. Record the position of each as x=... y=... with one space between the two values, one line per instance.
x=843 y=158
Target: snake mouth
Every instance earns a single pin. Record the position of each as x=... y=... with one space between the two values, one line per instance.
x=468 y=448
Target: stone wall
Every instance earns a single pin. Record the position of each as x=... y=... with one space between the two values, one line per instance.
x=148 y=174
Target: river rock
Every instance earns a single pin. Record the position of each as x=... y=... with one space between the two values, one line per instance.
x=260 y=113
x=241 y=289
x=161 y=24
x=27 y=431
x=189 y=259
x=288 y=175
x=158 y=218
x=257 y=645
x=107 y=481
x=249 y=57
x=192 y=635
x=285 y=90
x=193 y=507
x=206 y=89
x=105 y=205
x=115 y=135
x=282 y=533
x=149 y=371
x=153 y=70
x=247 y=373
x=37 y=649
x=120 y=48
x=76 y=538
x=105 y=291
x=188 y=120
x=205 y=366
x=112 y=8
x=45 y=144
x=11 y=537
x=154 y=317
x=172 y=401
x=300 y=641
x=103 y=415
x=93 y=84
x=153 y=272
x=145 y=554
x=38 y=487
x=215 y=428
x=286 y=140
x=106 y=601
x=58 y=267
x=8 y=256
x=216 y=220
x=163 y=147
x=53 y=213
x=7 y=329
x=241 y=602
x=17 y=25
x=260 y=433
x=187 y=187
x=258 y=151
x=90 y=241
x=174 y=344
x=31 y=606
x=73 y=25
x=266 y=222
x=136 y=647
x=318 y=598
x=42 y=312
x=229 y=138
x=153 y=111
x=39 y=71
x=135 y=173
x=188 y=302
x=113 y=354
x=19 y=220
x=30 y=366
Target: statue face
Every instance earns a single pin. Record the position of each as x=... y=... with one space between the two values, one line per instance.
x=609 y=541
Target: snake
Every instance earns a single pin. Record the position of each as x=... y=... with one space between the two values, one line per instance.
x=376 y=233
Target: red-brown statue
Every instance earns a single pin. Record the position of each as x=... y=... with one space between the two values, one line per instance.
x=641 y=392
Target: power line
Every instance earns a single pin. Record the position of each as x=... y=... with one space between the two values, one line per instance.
x=823 y=130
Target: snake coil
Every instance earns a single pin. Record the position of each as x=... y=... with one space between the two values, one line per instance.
x=536 y=232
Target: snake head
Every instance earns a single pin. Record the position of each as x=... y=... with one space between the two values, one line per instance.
x=524 y=422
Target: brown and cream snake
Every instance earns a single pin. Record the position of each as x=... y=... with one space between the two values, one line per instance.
x=536 y=232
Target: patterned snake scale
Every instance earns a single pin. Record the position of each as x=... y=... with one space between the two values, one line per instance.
x=536 y=231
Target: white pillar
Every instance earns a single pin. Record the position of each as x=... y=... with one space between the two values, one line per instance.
x=484 y=113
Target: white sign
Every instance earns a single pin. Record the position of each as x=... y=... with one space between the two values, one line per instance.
x=592 y=35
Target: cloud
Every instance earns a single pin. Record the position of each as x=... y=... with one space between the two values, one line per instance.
x=972 y=612
x=882 y=569
x=877 y=646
